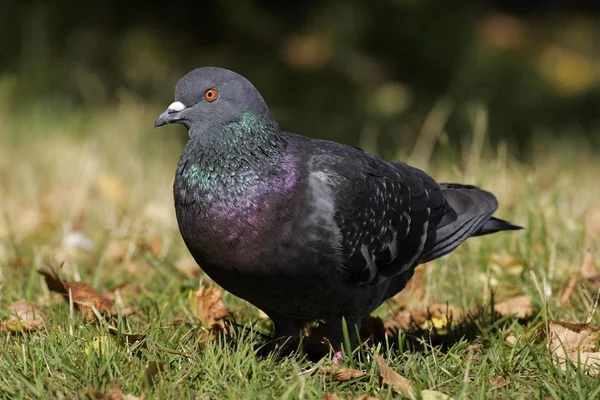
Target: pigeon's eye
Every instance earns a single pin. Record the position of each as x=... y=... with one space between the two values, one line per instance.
x=211 y=95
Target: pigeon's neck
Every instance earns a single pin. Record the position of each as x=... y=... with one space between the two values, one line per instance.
x=231 y=157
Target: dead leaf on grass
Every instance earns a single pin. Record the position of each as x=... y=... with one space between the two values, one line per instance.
x=577 y=342
x=128 y=338
x=207 y=305
x=498 y=381
x=414 y=292
x=25 y=317
x=152 y=371
x=85 y=297
x=343 y=374
x=520 y=306
x=331 y=396
x=394 y=379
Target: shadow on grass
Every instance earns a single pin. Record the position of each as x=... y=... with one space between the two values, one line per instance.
x=476 y=326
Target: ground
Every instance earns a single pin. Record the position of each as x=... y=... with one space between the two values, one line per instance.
x=88 y=195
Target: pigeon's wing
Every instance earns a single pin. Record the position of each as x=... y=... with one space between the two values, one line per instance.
x=387 y=213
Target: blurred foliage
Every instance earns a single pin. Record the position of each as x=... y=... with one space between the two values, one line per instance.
x=381 y=74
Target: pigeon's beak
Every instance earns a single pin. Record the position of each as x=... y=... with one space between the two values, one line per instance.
x=171 y=114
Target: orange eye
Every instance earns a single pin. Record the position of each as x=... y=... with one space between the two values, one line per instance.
x=211 y=95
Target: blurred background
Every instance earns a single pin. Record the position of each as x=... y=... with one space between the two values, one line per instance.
x=499 y=93
x=384 y=74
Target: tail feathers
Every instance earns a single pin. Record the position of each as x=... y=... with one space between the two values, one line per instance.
x=496 y=225
x=468 y=213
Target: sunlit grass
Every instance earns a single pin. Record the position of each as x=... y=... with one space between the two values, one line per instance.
x=108 y=175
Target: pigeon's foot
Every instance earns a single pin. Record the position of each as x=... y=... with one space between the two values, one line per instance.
x=279 y=347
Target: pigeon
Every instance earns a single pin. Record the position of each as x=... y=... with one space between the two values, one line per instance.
x=305 y=229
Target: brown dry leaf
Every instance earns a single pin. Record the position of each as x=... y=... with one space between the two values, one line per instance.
x=128 y=338
x=589 y=269
x=207 y=305
x=394 y=379
x=565 y=297
x=331 y=396
x=365 y=397
x=439 y=315
x=152 y=371
x=343 y=374
x=577 y=342
x=414 y=292
x=84 y=296
x=436 y=316
x=404 y=320
x=498 y=381
x=521 y=306
x=25 y=317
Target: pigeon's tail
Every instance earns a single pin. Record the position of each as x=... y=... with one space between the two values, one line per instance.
x=468 y=213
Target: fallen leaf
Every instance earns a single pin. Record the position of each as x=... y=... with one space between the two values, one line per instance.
x=394 y=379
x=577 y=342
x=365 y=397
x=331 y=396
x=25 y=317
x=413 y=293
x=403 y=320
x=434 y=395
x=565 y=297
x=520 y=306
x=498 y=381
x=128 y=338
x=589 y=269
x=152 y=371
x=84 y=296
x=343 y=374
x=207 y=305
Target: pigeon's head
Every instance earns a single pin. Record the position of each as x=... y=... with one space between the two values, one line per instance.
x=207 y=99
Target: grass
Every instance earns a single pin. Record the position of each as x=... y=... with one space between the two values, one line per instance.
x=108 y=175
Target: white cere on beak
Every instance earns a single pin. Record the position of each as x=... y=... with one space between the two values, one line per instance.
x=176 y=107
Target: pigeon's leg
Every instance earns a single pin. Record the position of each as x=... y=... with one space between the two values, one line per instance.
x=287 y=335
x=336 y=330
